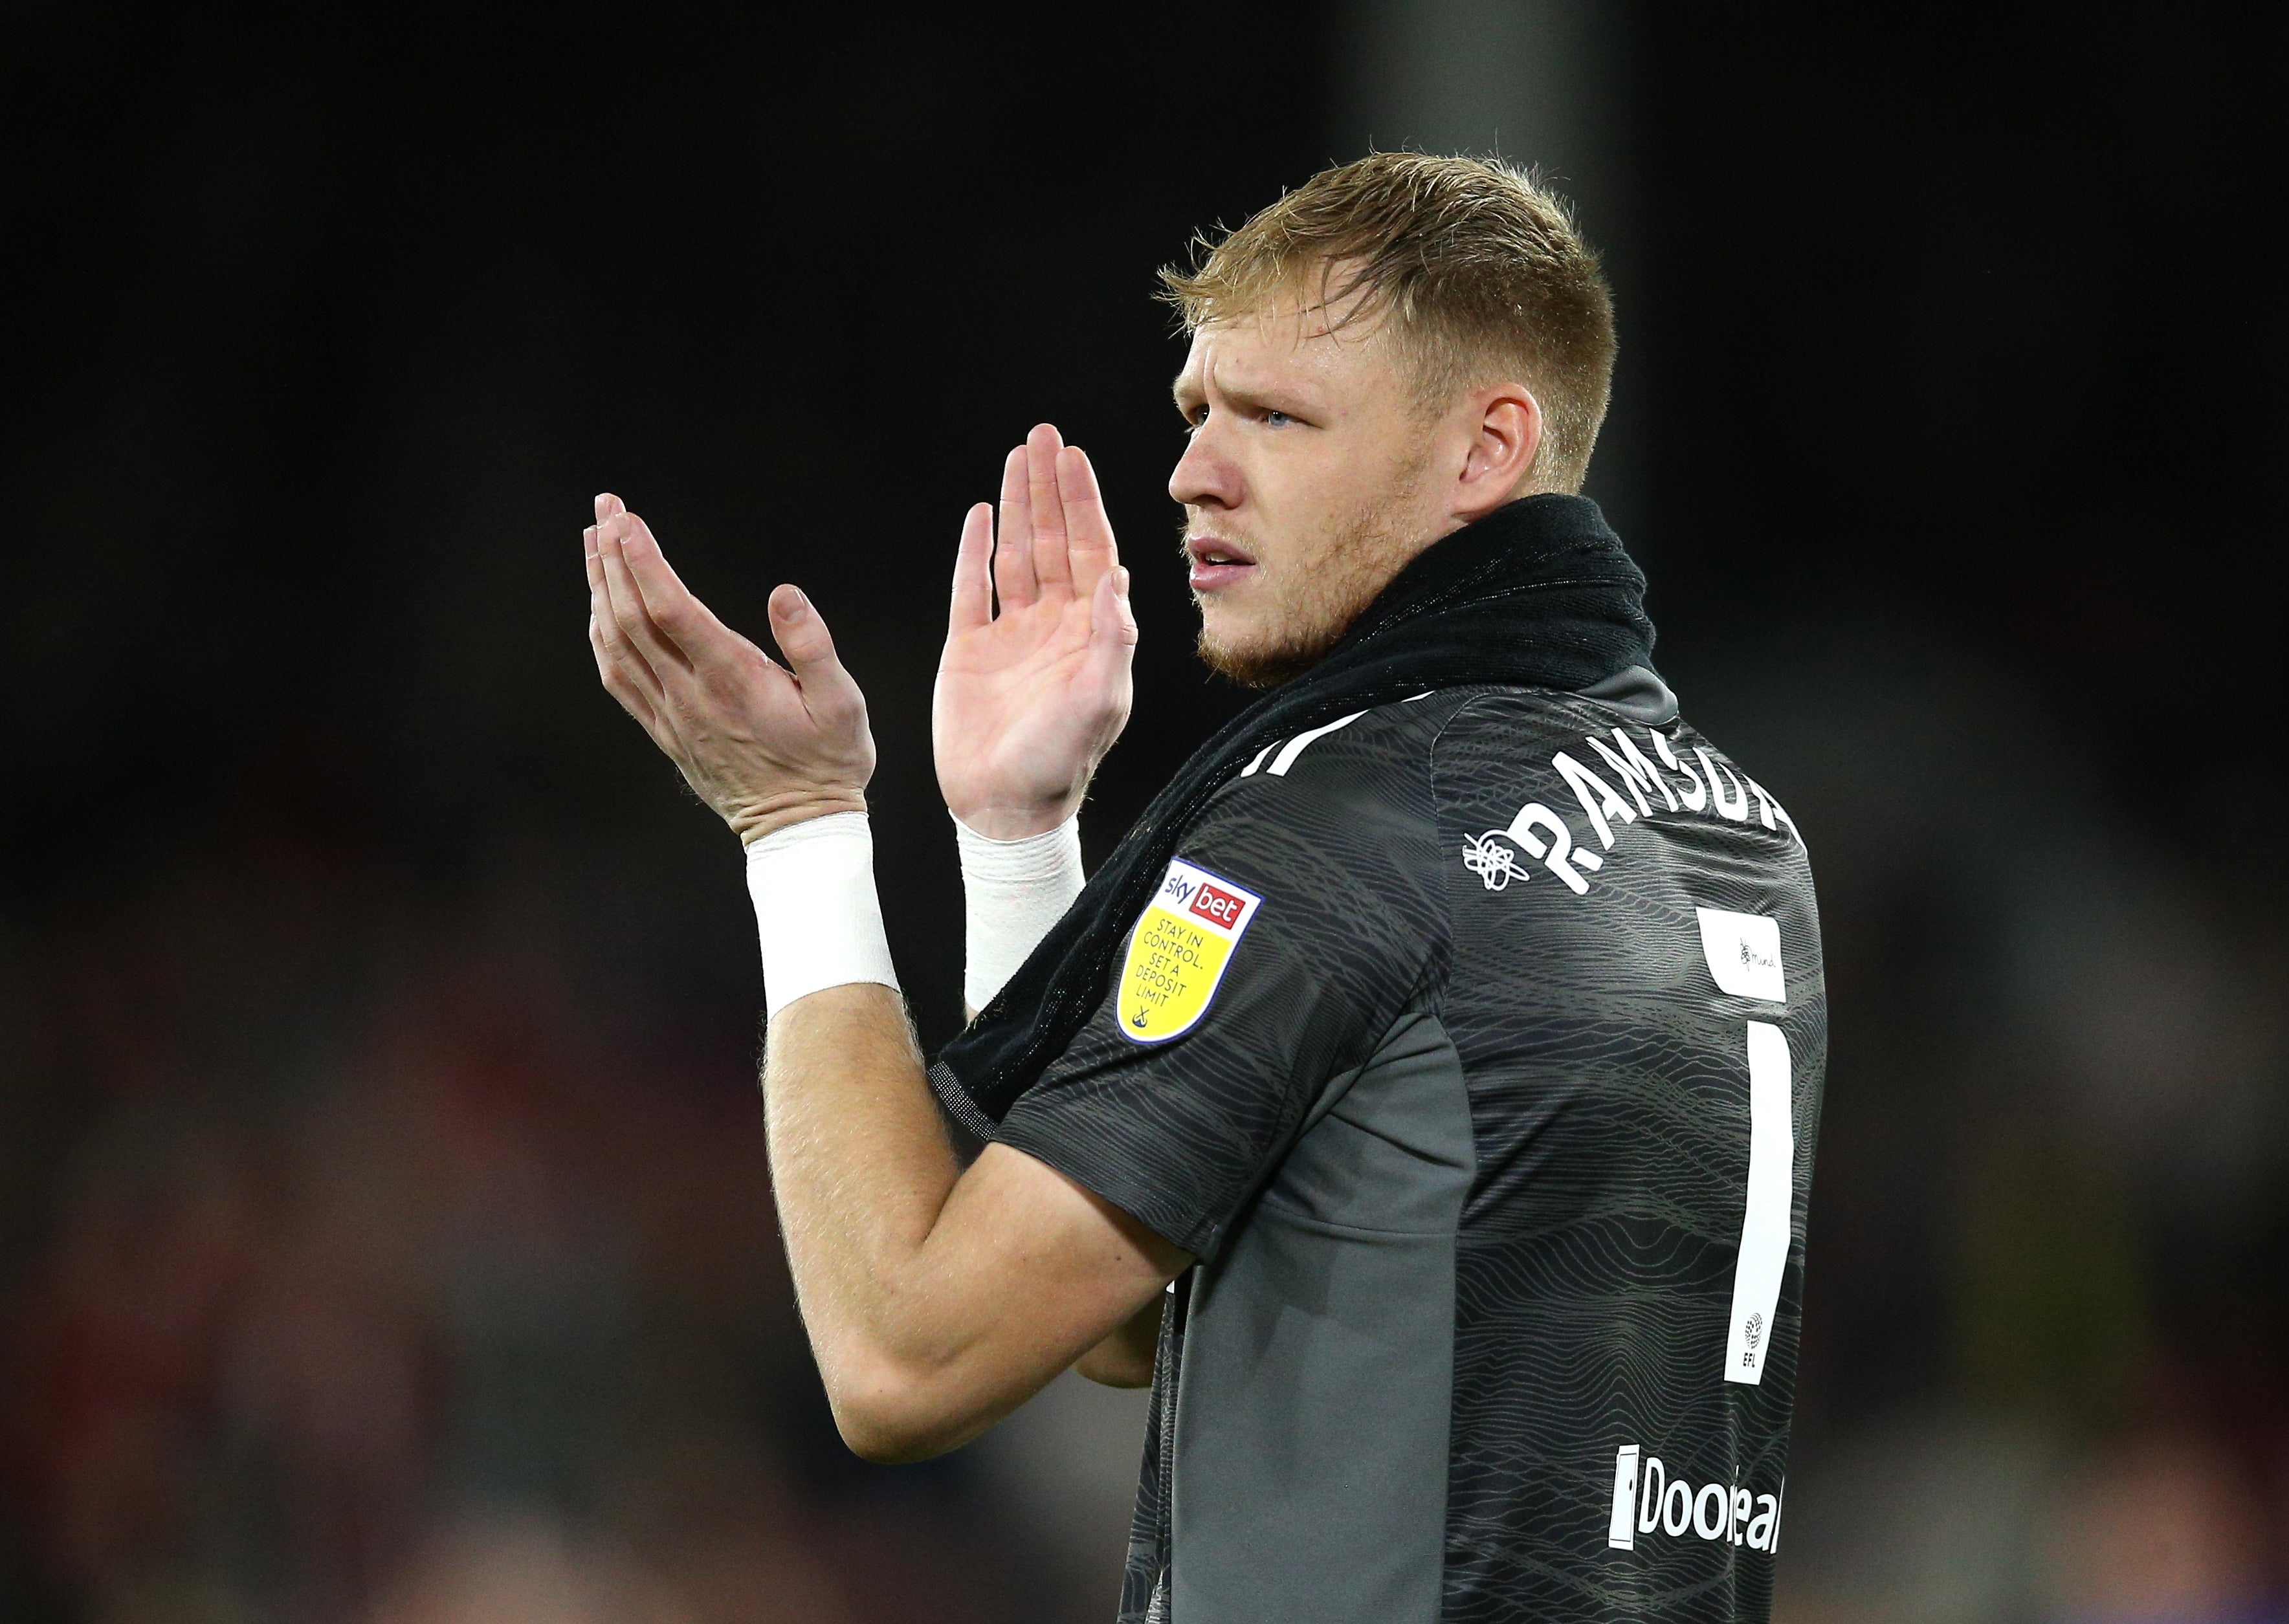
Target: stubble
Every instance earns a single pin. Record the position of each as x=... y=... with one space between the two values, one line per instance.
x=1317 y=600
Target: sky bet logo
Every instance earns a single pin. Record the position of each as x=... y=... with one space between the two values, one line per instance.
x=1210 y=901
x=1652 y=1502
x=1216 y=903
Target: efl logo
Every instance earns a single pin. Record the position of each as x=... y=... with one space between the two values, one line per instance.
x=1179 y=950
x=1216 y=904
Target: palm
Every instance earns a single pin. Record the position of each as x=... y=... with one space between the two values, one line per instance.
x=1029 y=700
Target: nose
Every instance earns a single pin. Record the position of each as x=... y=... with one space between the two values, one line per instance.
x=1204 y=476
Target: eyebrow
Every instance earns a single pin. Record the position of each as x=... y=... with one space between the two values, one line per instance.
x=1240 y=395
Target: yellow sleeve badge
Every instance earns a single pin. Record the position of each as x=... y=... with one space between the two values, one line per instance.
x=1178 y=951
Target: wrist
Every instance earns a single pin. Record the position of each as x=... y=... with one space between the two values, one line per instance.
x=818 y=918
x=1014 y=890
x=1017 y=822
x=771 y=815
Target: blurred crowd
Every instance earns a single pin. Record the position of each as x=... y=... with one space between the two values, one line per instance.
x=391 y=1267
x=2047 y=1344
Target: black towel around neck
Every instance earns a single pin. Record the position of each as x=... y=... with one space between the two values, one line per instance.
x=1537 y=594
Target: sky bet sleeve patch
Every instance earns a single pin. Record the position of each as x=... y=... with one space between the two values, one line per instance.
x=1178 y=951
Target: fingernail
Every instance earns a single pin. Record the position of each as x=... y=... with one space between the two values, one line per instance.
x=1121 y=579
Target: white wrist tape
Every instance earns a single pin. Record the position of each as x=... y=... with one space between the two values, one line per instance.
x=1015 y=891
x=821 y=924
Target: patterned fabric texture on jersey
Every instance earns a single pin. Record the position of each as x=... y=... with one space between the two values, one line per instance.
x=1475 y=1048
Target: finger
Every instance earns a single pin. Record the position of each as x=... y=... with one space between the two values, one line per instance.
x=630 y=619
x=1051 y=567
x=607 y=505
x=618 y=684
x=627 y=676
x=595 y=566
x=829 y=693
x=1013 y=548
x=973 y=572
x=687 y=622
x=600 y=602
x=1088 y=528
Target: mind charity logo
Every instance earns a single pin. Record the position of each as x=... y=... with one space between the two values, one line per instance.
x=1491 y=860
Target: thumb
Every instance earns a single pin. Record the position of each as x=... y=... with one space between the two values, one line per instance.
x=1111 y=619
x=1111 y=628
x=802 y=637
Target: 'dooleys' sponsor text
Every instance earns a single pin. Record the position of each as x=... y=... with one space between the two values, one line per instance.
x=1648 y=1499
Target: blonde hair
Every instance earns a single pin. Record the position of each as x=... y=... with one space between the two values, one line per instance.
x=1478 y=267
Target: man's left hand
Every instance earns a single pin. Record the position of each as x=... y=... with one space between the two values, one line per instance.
x=1029 y=699
x=767 y=745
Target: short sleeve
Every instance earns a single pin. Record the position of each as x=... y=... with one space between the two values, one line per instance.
x=1298 y=922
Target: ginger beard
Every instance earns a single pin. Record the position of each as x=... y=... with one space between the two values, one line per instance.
x=1308 y=602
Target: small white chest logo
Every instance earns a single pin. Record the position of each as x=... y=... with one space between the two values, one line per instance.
x=1492 y=858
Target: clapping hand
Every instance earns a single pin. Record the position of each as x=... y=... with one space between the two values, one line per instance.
x=1029 y=700
x=766 y=744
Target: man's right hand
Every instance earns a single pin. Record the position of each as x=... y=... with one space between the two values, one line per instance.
x=1028 y=701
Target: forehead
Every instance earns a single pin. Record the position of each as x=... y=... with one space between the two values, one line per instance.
x=1290 y=345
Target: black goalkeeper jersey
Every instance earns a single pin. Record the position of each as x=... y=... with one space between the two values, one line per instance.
x=1474 y=1046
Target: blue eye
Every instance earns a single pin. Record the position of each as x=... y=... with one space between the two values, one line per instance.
x=1277 y=418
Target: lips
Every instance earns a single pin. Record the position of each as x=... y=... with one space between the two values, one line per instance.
x=1216 y=562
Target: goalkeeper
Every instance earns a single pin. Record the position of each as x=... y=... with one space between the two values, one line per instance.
x=1422 y=1096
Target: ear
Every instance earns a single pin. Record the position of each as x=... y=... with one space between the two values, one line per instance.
x=1503 y=423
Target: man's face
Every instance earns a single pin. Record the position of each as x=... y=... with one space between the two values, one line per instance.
x=1304 y=485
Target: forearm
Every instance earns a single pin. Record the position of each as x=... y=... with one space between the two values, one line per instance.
x=860 y=1163
x=861 y=1169
x=937 y=1300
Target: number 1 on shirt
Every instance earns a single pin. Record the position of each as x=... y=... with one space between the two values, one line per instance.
x=1743 y=950
x=1765 y=1217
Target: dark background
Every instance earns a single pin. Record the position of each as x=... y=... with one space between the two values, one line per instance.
x=383 y=1223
